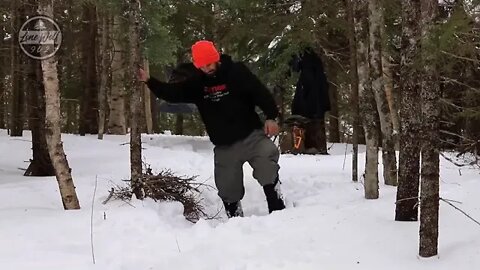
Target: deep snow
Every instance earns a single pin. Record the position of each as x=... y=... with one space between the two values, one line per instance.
x=331 y=226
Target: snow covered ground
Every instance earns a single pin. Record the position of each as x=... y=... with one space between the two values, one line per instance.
x=332 y=226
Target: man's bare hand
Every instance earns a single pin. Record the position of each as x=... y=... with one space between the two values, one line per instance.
x=271 y=128
x=142 y=75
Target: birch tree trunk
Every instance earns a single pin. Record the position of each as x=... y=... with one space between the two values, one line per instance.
x=104 y=73
x=409 y=162
x=368 y=109
x=354 y=83
x=389 y=91
x=116 y=120
x=136 y=99
x=376 y=76
x=52 y=123
x=429 y=190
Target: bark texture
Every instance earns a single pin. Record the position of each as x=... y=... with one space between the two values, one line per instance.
x=117 y=123
x=147 y=101
x=368 y=108
x=375 y=18
x=16 y=56
x=136 y=99
x=40 y=164
x=354 y=83
x=389 y=91
x=89 y=104
x=52 y=123
x=429 y=189
x=409 y=162
x=105 y=57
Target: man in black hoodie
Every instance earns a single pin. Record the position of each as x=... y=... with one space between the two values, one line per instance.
x=226 y=94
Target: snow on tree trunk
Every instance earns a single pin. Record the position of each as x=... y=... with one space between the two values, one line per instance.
x=354 y=83
x=409 y=166
x=375 y=18
x=52 y=123
x=429 y=189
x=368 y=109
x=135 y=60
x=116 y=121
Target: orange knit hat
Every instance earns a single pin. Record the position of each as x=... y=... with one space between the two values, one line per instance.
x=204 y=53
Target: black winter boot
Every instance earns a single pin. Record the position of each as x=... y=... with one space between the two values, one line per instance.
x=274 y=196
x=233 y=209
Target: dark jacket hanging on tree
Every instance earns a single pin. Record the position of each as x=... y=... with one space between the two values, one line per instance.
x=311 y=98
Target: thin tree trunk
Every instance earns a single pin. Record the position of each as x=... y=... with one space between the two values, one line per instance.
x=17 y=102
x=354 y=82
x=278 y=93
x=409 y=162
x=333 y=126
x=315 y=137
x=376 y=76
x=116 y=120
x=179 y=119
x=136 y=100
x=40 y=164
x=147 y=101
x=104 y=73
x=155 y=115
x=429 y=191
x=89 y=104
x=70 y=116
x=3 y=93
x=52 y=123
x=368 y=109
x=389 y=91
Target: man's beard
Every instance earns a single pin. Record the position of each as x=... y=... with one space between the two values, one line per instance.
x=211 y=73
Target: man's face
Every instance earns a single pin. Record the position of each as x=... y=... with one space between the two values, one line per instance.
x=210 y=69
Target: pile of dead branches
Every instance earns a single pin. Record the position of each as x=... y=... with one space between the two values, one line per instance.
x=166 y=186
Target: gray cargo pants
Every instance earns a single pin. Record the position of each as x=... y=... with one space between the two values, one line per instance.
x=256 y=149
